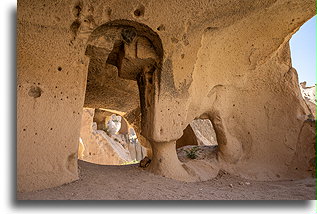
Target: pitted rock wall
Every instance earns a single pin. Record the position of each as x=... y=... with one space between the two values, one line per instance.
x=224 y=60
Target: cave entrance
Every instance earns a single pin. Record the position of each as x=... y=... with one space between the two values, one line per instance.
x=303 y=52
x=198 y=140
x=107 y=138
x=125 y=61
x=303 y=59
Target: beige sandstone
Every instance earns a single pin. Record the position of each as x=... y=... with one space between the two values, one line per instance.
x=188 y=138
x=309 y=95
x=198 y=132
x=164 y=64
x=204 y=131
x=105 y=148
x=98 y=147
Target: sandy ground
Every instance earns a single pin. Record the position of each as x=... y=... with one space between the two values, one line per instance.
x=130 y=182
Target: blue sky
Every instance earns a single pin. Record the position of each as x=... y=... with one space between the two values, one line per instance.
x=303 y=52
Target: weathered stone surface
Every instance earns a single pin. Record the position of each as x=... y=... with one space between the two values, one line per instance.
x=106 y=148
x=198 y=132
x=166 y=62
x=113 y=124
x=308 y=92
x=309 y=95
x=188 y=138
x=204 y=132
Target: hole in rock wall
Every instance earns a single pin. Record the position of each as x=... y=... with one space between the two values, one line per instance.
x=303 y=52
x=139 y=11
x=106 y=138
x=35 y=92
x=198 y=141
x=124 y=57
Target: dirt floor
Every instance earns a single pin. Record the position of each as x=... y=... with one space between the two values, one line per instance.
x=130 y=182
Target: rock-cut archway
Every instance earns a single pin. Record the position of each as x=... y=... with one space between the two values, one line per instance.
x=124 y=72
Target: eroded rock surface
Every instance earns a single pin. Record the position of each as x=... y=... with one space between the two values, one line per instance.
x=198 y=132
x=107 y=147
x=309 y=95
x=163 y=64
x=204 y=132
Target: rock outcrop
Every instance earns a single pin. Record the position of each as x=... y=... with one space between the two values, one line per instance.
x=309 y=95
x=204 y=132
x=163 y=64
x=107 y=147
x=198 y=132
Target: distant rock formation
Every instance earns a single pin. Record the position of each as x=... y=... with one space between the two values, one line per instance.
x=198 y=132
x=107 y=147
x=204 y=132
x=309 y=95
